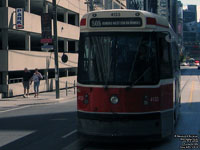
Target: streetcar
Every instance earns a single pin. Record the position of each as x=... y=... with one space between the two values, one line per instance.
x=128 y=76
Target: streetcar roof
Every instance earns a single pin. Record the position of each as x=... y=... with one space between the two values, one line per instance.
x=150 y=21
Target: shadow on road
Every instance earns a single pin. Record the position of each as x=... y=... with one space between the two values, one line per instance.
x=48 y=131
x=190 y=72
x=189 y=113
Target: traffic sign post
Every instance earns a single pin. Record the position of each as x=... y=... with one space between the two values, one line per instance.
x=55 y=44
x=47 y=38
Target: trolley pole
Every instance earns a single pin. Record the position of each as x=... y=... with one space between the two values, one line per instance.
x=55 y=44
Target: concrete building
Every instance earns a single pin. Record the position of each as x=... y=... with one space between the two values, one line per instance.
x=109 y=4
x=165 y=8
x=20 y=48
x=190 y=14
x=190 y=32
x=180 y=26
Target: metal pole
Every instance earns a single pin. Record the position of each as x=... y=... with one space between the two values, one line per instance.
x=74 y=87
x=55 y=44
x=45 y=7
x=66 y=88
x=91 y=5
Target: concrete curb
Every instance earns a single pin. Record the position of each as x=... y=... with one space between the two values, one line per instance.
x=33 y=104
x=52 y=101
x=19 y=102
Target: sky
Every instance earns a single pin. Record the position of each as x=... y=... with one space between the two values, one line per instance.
x=193 y=2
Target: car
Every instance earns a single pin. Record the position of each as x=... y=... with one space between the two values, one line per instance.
x=184 y=64
x=197 y=63
x=191 y=64
x=199 y=67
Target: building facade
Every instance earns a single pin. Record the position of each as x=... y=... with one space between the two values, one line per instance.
x=108 y=4
x=165 y=8
x=190 y=33
x=180 y=25
x=20 y=48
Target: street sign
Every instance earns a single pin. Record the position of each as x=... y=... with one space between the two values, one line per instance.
x=47 y=47
x=46 y=28
x=19 y=18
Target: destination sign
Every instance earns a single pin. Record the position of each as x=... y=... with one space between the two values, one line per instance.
x=116 y=22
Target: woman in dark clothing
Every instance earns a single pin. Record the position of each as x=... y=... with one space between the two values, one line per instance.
x=26 y=82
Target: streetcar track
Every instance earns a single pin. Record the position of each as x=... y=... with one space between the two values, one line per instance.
x=189 y=80
x=184 y=85
x=198 y=78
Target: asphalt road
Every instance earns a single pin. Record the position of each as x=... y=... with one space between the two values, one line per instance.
x=53 y=126
x=43 y=127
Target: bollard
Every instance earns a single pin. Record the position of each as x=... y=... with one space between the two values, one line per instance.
x=66 y=88
x=74 y=87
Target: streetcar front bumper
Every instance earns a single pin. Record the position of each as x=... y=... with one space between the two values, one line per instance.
x=156 y=125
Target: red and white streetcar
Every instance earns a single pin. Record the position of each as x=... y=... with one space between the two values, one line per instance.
x=128 y=75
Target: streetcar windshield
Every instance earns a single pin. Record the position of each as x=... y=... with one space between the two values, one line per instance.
x=117 y=58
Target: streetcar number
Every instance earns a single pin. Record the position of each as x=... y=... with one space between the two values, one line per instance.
x=115 y=14
x=96 y=23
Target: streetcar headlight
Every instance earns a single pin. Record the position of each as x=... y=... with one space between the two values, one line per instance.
x=114 y=99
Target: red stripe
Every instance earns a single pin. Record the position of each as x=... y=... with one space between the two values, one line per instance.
x=131 y=100
x=162 y=25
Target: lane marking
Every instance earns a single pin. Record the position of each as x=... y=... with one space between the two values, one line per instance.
x=191 y=93
x=185 y=85
x=198 y=78
x=14 y=109
x=70 y=133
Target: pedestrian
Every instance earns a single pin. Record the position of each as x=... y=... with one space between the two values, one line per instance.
x=37 y=76
x=26 y=82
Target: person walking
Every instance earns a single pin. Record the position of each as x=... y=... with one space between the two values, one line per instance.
x=37 y=76
x=26 y=82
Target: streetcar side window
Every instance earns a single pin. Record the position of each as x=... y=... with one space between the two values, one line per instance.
x=88 y=65
x=165 y=59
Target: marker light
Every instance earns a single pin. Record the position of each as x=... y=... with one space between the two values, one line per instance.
x=86 y=99
x=151 y=21
x=114 y=99
x=146 y=100
x=83 y=22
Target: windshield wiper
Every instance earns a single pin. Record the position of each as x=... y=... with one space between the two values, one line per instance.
x=104 y=64
x=132 y=68
x=138 y=79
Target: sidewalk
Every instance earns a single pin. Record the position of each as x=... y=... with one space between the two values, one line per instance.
x=44 y=98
